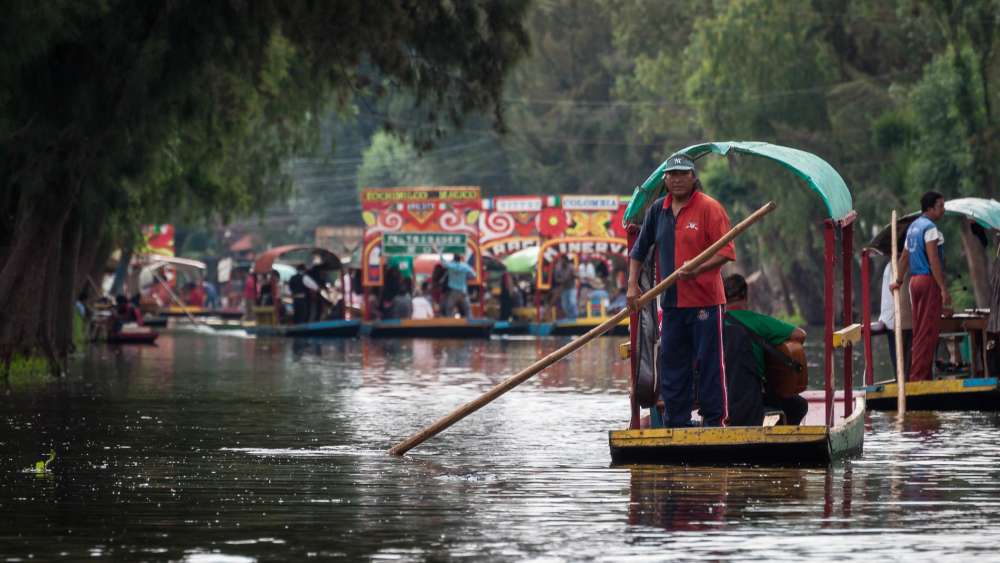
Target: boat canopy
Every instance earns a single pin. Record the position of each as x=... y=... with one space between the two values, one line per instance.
x=816 y=172
x=266 y=260
x=523 y=261
x=157 y=261
x=985 y=214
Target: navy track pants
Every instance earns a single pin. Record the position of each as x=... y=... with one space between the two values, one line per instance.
x=691 y=337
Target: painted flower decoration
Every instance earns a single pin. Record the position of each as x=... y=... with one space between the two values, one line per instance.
x=616 y=227
x=552 y=222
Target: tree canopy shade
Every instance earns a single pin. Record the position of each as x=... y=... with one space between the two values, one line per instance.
x=816 y=172
x=115 y=113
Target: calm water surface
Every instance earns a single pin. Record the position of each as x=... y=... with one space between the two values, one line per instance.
x=213 y=447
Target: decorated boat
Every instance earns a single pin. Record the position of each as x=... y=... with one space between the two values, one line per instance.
x=277 y=264
x=587 y=231
x=403 y=225
x=834 y=425
x=971 y=385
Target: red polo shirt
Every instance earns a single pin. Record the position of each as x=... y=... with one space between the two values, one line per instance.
x=699 y=224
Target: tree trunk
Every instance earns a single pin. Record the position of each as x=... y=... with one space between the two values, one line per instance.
x=22 y=305
x=978 y=272
x=66 y=288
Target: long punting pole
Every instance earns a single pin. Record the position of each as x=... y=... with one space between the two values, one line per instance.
x=898 y=330
x=515 y=380
x=866 y=314
x=847 y=251
x=175 y=299
x=828 y=244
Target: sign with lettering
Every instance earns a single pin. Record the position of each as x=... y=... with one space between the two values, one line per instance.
x=411 y=244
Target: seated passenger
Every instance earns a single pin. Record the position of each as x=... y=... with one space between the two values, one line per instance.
x=744 y=359
x=422 y=306
x=597 y=298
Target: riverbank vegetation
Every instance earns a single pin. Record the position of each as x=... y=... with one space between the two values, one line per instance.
x=115 y=114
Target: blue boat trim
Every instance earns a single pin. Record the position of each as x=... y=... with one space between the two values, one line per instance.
x=874 y=388
x=980 y=382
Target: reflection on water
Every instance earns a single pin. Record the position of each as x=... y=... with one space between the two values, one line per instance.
x=216 y=447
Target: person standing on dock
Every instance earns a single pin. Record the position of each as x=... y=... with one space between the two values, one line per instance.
x=681 y=226
x=923 y=256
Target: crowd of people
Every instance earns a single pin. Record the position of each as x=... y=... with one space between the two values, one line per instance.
x=307 y=296
x=445 y=293
x=581 y=291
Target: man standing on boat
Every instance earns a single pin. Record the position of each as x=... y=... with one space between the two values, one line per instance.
x=924 y=257
x=459 y=274
x=681 y=226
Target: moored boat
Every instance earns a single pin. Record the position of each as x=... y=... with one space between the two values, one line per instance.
x=974 y=386
x=268 y=318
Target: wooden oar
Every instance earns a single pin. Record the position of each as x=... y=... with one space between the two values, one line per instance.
x=898 y=332
x=576 y=343
x=176 y=300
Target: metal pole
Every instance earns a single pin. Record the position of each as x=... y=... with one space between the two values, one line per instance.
x=828 y=243
x=847 y=251
x=866 y=314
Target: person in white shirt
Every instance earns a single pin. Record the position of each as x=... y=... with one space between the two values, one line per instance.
x=887 y=319
x=422 y=308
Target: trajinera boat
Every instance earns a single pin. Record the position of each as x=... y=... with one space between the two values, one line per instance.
x=834 y=425
x=972 y=385
x=402 y=225
x=271 y=320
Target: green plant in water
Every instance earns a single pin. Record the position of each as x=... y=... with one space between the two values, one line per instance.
x=42 y=467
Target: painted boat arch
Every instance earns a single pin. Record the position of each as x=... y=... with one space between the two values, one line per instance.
x=820 y=177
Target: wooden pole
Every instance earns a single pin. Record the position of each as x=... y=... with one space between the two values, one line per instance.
x=175 y=299
x=525 y=374
x=898 y=329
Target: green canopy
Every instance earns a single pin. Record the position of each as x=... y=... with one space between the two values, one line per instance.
x=817 y=173
x=523 y=261
x=985 y=213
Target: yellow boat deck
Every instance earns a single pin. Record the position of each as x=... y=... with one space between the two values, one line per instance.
x=808 y=444
x=982 y=393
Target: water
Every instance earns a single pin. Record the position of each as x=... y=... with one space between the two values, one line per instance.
x=214 y=447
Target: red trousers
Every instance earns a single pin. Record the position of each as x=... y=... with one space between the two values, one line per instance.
x=925 y=295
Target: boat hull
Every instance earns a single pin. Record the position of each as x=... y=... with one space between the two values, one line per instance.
x=772 y=445
x=940 y=395
x=125 y=337
x=430 y=328
x=154 y=322
x=512 y=327
x=319 y=329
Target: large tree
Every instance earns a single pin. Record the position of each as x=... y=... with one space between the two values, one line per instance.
x=114 y=112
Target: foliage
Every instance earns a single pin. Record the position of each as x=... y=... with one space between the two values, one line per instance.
x=124 y=113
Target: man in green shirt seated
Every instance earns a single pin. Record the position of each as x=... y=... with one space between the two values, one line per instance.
x=744 y=359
